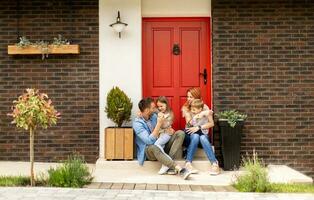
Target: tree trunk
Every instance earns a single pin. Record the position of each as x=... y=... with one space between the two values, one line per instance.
x=31 y=155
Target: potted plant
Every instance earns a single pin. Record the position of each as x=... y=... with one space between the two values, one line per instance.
x=230 y=125
x=33 y=110
x=118 y=139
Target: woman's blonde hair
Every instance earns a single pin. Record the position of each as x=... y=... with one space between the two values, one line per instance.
x=195 y=92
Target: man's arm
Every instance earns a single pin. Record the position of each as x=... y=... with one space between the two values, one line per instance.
x=144 y=135
x=155 y=132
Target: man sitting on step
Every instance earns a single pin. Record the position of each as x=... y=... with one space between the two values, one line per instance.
x=146 y=128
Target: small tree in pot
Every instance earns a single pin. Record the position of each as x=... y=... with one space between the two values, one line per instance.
x=118 y=141
x=230 y=128
x=118 y=107
x=33 y=110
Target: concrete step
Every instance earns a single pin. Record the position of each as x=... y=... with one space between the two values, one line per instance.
x=132 y=172
x=200 y=154
x=285 y=174
x=153 y=166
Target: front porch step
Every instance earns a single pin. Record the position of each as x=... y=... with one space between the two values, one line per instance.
x=153 y=166
x=132 y=172
x=200 y=154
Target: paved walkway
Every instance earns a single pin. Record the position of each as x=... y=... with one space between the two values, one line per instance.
x=16 y=193
x=165 y=187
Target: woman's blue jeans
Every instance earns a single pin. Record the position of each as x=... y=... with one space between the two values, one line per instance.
x=191 y=141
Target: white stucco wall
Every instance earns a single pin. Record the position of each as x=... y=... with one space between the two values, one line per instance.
x=120 y=59
x=176 y=8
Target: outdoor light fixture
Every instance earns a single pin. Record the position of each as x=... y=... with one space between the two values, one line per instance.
x=118 y=26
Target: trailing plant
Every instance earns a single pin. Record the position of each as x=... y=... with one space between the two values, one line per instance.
x=72 y=173
x=232 y=116
x=30 y=111
x=24 y=42
x=43 y=46
x=60 y=41
x=255 y=178
x=118 y=106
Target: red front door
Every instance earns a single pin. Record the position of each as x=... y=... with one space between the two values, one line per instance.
x=168 y=71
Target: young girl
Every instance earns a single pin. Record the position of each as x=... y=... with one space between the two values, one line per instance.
x=164 y=111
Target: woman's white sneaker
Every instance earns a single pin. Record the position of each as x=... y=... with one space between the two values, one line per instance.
x=214 y=169
x=189 y=167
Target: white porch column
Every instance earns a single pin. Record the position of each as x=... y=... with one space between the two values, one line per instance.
x=119 y=58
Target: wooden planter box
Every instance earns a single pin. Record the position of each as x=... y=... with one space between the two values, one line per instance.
x=53 y=49
x=119 y=143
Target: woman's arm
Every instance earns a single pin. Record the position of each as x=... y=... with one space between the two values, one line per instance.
x=186 y=114
x=210 y=122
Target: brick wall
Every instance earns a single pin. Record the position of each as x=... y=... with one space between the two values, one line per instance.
x=70 y=80
x=263 y=65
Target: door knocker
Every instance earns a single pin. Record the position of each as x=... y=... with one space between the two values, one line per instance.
x=176 y=49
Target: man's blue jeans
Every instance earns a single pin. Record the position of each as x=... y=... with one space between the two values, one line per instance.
x=191 y=141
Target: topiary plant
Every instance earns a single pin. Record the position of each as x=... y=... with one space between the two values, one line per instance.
x=118 y=107
x=33 y=110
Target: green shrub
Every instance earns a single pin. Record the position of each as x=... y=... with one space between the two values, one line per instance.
x=118 y=106
x=73 y=173
x=255 y=178
x=232 y=116
x=14 y=180
x=280 y=187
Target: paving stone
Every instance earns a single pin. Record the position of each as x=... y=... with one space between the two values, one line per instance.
x=207 y=188
x=231 y=189
x=162 y=187
x=116 y=186
x=97 y=194
x=105 y=185
x=174 y=187
x=220 y=188
x=128 y=186
x=185 y=188
x=151 y=187
x=140 y=186
x=93 y=185
x=196 y=188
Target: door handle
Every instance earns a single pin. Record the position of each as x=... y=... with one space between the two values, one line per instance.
x=204 y=74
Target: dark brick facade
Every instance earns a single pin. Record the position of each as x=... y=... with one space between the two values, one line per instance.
x=70 y=80
x=263 y=65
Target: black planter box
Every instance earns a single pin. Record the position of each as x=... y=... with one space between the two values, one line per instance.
x=230 y=142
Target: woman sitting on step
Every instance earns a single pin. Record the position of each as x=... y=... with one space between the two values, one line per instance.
x=199 y=118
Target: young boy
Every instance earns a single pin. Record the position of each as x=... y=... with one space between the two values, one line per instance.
x=199 y=117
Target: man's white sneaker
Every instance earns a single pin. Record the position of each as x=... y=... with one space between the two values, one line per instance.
x=163 y=170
